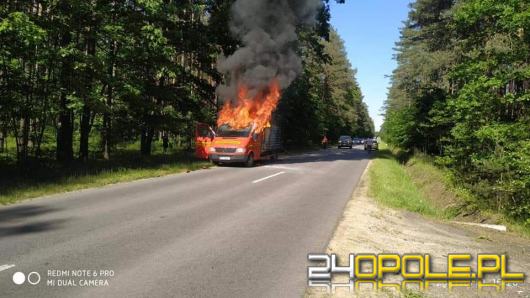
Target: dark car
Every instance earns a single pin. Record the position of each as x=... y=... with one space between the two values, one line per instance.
x=357 y=141
x=371 y=144
x=345 y=141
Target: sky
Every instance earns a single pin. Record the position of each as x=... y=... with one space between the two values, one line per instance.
x=370 y=29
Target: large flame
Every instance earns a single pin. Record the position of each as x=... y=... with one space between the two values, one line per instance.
x=248 y=110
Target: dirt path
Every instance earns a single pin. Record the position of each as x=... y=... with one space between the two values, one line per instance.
x=367 y=227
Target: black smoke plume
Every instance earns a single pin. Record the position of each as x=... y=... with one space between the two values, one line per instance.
x=267 y=30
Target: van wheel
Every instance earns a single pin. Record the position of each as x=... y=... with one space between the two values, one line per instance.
x=250 y=161
x=274 y=157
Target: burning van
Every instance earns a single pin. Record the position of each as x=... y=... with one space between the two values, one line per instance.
x=244 y=145
x=246 y=129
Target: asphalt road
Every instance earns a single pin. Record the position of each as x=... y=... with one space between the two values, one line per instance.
x=222 y=232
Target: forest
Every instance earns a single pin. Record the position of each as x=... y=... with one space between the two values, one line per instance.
x=85 y=80
x=461 y=93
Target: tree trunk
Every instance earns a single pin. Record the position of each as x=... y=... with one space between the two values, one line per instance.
x=23 y=140
x=146 y=140
x=65 y=127
x=107 y=116
x=2 y=142
x=84 y=133
x=85 y=124
x=65 y=132
x=38 y=139
x=106 y=133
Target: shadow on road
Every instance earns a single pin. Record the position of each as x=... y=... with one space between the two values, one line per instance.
x=323 y=155
x=327 y=155
x=37 y=227
x=18 y=220
x=22 y=212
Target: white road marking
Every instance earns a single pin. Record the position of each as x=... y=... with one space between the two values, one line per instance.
x=5 y=267
x=284 y=168
x=268 y=177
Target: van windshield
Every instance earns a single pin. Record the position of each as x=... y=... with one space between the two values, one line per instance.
x=225 y=131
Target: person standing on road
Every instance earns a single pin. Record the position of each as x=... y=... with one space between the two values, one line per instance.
x=325 y=142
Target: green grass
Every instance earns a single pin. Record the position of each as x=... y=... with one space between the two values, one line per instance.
x=415 y=183
x=406 y=293
x=392 y=186
x=519 y=227
x=46 y=177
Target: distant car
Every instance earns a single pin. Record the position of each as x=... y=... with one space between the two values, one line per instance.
x=357 y=141
x=345 y=141
x=371 y=144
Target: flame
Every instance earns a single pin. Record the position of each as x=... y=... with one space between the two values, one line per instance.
x=249 y=111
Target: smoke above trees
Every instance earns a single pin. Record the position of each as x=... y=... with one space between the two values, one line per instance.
x=267 y=30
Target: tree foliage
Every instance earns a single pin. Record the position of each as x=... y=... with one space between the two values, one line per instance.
x=462 y=92
x=326 y=99
x=78 y=78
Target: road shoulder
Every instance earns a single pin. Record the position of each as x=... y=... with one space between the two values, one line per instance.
x=368 y=227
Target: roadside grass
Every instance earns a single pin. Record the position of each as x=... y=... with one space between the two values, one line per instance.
x=438 y=187
x=413 y=182
x=406 y=293
x=391 y=186
x=46 y=177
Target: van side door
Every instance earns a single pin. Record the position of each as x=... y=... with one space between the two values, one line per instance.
x=203 y=140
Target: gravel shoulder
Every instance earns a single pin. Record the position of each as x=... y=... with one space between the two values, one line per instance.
x=367 y=227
